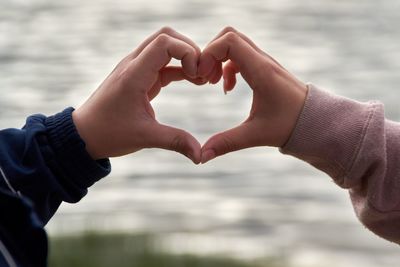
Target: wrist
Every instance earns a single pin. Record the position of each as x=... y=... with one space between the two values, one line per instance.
x=86 y=134
x=298 y=99
x=67 y=153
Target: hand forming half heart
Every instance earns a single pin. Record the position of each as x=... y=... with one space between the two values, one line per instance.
x=118 y=118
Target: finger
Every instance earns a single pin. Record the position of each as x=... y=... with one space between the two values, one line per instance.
x=216 y=74
x=171 y=74
x=170 y=138
x=247 y=39
x=165 y=30
x=244 y=37
x=210 y=62
x=229 y=75
x=160 y=52
x=230 y=46
x=231 y=140
x=206 y=66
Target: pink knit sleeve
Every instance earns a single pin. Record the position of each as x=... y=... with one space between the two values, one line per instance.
x=354 y=144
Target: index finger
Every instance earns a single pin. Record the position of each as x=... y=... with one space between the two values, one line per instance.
x=229 y=46
x=244 y=37
x=165 y=30
x=160 y=52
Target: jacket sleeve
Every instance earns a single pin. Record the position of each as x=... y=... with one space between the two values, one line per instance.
x=47 y=162
x=41 y=165
x=354 y=144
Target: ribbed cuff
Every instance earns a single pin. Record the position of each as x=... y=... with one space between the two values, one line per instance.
x=71 y=153
x=329 y=133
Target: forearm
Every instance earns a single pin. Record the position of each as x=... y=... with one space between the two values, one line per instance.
x=354 y=144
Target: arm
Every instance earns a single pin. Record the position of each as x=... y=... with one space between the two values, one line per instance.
x=47 y=162
x=359 y=149
x=350 y=141
x=42 y=165
x=54 y=159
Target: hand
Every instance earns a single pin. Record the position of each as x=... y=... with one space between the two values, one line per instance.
x=118 y=118
x=278 y=97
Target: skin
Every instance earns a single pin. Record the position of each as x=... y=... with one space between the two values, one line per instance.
x=278 y=97
x=123 y=99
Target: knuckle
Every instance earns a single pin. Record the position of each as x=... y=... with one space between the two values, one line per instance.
x=229 y=29
x=231 y=37
x=190 y=51
x=166 y=29
x=162 y=39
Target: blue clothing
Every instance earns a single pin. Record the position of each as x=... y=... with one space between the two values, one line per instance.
x=41 y=165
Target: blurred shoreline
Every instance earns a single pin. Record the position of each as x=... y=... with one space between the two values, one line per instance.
x=100 y=249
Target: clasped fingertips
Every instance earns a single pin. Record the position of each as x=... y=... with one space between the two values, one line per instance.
x=205 y=66
x=207 y=156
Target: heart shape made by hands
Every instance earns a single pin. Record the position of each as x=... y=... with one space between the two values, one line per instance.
x=278 y=97
x=124 y=97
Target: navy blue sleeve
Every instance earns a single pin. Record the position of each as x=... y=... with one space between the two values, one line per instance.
x=41 y=165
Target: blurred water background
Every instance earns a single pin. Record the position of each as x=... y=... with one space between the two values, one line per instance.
x=249 y=204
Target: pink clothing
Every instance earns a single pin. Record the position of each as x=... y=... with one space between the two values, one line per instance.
x=354 y=144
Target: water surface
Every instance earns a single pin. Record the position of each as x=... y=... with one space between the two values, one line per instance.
x=248 y=204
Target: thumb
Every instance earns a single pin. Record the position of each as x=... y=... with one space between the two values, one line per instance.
x=228 y=141
x=170 y=138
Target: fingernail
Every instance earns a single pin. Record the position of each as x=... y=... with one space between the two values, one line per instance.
x=207 y=156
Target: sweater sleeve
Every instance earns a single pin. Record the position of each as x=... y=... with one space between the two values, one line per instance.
x=354 y=144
